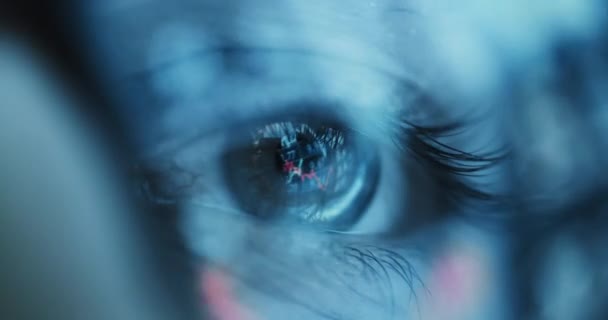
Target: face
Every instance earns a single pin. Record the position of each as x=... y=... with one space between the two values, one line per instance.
x=370 y=159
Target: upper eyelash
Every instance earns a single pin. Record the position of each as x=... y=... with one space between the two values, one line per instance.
x=455 y=160
x=448 y=162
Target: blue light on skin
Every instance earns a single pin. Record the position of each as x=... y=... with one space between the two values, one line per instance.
x=351 y=54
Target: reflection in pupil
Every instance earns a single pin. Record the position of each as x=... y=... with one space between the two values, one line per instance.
x=305 y=168
x=297 y=172
x=302 y=162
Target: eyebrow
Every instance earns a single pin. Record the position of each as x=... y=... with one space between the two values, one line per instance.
x=369 y=28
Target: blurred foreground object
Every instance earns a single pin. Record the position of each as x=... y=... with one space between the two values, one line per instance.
x=69 y=250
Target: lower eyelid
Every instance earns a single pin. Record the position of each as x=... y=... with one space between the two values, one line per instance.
x=263 y=258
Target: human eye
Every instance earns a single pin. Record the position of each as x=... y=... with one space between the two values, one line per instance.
x=304 y=173
x=327 y=165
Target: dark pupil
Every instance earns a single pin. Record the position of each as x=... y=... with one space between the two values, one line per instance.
x=293 y=168
x=302 y=162
x=296 y=172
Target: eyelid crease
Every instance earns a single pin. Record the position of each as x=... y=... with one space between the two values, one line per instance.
x=227 y=50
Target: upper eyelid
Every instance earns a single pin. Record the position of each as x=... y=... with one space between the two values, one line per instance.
x=402 y=87
x=316 y=112
x=274 y=103
x=224 y=51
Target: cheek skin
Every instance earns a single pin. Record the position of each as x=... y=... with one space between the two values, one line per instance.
x=458 y=282
x=217 y=295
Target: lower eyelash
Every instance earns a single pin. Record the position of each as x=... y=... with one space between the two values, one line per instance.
x=293 y=277
x=374 y=257
x=295 y=268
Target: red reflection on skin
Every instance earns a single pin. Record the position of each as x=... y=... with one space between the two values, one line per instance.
x=219 y=298
x=458 y=282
